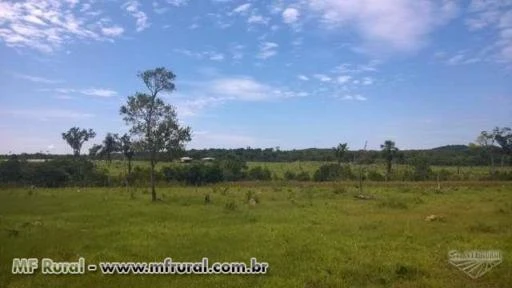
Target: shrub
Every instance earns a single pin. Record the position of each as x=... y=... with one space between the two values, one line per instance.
x=195 y=174
x=422 y=170
x=443 y=174
x=331 y=172
x=289 y=175
x=375 y=176
x=55 y=173
x=233 y=168
x=199 y=174
x=303 y=176
x=44 y=175
x=11 y=170
x=259 y=173
x=173 y=173
x=230 y=205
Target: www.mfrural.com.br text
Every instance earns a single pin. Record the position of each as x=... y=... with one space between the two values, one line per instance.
x=167 y=266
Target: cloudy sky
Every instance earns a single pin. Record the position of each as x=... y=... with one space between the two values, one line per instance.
x=294 y=74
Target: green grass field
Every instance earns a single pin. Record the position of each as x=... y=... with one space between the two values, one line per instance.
x=312 y=235
x=279 y=168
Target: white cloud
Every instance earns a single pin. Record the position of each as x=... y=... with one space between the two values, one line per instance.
x=211 y=55
x=217 y=57
x=36 y=79
x=112 y=31
x=242 y=8
x=322 y=77
x=267 y=50
x=98 y=92
x=354 y=97
x=141 y=18
x=367 y=81
x=46 y=25
x=223 y=140
x=386 y=24
x=303 y=77
x=494 y=17
x=348 y=68
x=225 y=89
x=258 y=19
x=344 y=79
x=461 y=58
x=236 y=51
x=290 y=15
x=240 y=88
x=193 y=26
x=177 y=3
x=46 y=113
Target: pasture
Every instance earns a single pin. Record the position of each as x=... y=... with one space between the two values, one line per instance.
x=311 y=234
x=278 y=169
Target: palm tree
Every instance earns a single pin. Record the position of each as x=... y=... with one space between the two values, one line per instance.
x=389 y=151
x=340 y=152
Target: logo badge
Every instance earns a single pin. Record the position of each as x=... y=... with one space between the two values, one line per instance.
x=475 y=263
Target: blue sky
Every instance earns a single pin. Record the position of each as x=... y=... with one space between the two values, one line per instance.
x=293 y=74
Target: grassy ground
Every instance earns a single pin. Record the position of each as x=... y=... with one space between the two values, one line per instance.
x=312 y=235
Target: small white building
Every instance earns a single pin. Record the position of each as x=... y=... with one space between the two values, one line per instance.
x=207 y=159
x=185 y=159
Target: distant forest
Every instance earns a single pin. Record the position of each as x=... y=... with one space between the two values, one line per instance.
x=451 y=155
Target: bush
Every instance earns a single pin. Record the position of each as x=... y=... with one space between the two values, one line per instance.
x=195 y=174
x=259 y=173
x=422 y=170
x=499 y=176
x=199 y=174
x=375 y=176
x=331 y=172
x=289 y=175
x=444 y=175
x=303 y=176
x=173 y=173
x=140 y=175
x=11 y=170
x=233 y=168
x=45 y=175
x=54 y=173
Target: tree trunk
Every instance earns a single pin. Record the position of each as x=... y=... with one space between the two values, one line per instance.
x=153 y=192
x=129 y=167
x=492 y=163
x=388 y=172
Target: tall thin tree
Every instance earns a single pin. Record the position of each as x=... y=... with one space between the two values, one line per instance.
x=389 y=152
x=128 y=151
x=153 y=121
x=486 y=141
x=340 y=152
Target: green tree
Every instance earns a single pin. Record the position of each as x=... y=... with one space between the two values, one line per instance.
x=503 y=137
x=127 y=148
x=111 y=144
x=94 y=151
x=389 y=152
x=486 y=141
x=153 y=121
x=76 y=137
x=340 y=152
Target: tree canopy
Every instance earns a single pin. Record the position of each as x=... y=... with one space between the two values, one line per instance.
x=76 y=137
